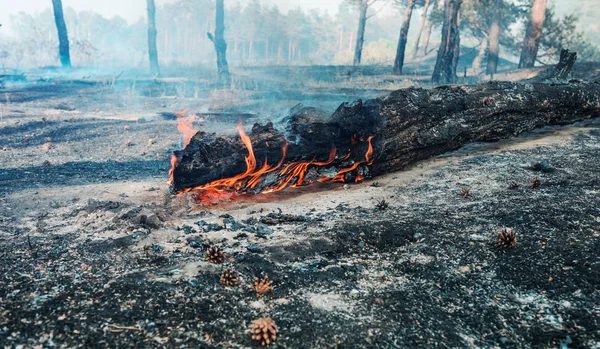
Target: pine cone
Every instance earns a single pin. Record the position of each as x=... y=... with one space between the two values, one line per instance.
x=382 y=205
x=507 y=238
x=535 y=183
x=465 y=193
x=229 y=278
x=262 y=286
x=264 y=331
x=215 y=255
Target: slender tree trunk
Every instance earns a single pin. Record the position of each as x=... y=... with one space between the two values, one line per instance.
x=351 y=41
x=421 y=27
x=267 y=49
x=533 y=34
x=494 y=38
x=444 y=71
x=400 y=52
x=482 y=52
x=63 y=37
x=456 y=56
x=220 y=44
x=360 y=35
x=341 y=44
x=425 y=46
x=152 y=52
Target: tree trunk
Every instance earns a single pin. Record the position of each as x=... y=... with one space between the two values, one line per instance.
x=152 y=52
x=482 y=51
x=425 y=46
x=421 y=27
x=360 y=35
x=220 y=44
x=494 y=39
x=533 y=34
x=456 y=55
x=401 y=50
x=63 y=37
x=445 y=68
x=407 y=126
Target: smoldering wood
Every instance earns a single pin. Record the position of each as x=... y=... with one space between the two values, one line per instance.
x=409 y=125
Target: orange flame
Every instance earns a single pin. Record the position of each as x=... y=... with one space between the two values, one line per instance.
x=292 y=174
x=184 y=126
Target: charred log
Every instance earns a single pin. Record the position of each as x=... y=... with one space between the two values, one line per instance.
x=407 y=126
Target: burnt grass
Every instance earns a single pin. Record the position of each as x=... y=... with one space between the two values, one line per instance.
x=425 y=272
x=64 y=291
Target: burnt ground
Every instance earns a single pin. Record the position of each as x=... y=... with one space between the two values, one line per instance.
x=94 y=251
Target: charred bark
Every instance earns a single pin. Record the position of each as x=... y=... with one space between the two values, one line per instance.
x=445 y=66
x=63 y=36
x=533 y=34
x=220 y=44
x=401 y=50
x=407 y=126
x=360 y=35
x=152 y=51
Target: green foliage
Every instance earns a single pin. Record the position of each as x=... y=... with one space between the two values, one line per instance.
x=562 y=33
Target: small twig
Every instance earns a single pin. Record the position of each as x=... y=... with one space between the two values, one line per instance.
x=33 y=253
x=119 y=329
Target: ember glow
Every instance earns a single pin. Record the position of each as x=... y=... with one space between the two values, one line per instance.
x=291 y=175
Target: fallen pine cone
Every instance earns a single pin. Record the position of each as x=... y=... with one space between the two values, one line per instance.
x=46 y=163
x=535 y=183
x=507 y=238
x=215 y=255
x=262 y=286
x=229 y=278
x=465 y=193
x=263 y=331
x=382 y=205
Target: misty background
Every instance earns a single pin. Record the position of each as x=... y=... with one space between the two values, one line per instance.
x=113 y=33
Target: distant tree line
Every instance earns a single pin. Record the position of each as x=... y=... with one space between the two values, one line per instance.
x=363 y=31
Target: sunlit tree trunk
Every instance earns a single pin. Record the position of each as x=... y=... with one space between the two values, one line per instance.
x=63 y=37
x=220 y=44
x=341 y=43
x=533 y=34
x=360 y=35
x=421 y=27
x=400 y=52
x=482 y=51
x=152 y=52
x=494 y=38
x=425 y=46
x=444 y=71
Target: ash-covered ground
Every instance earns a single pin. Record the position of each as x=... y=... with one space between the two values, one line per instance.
x=94 y=251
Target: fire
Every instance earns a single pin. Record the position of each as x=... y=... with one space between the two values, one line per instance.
x=184 y=126
x=292 y=174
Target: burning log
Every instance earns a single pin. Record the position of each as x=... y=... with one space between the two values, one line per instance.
x=371 y=138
